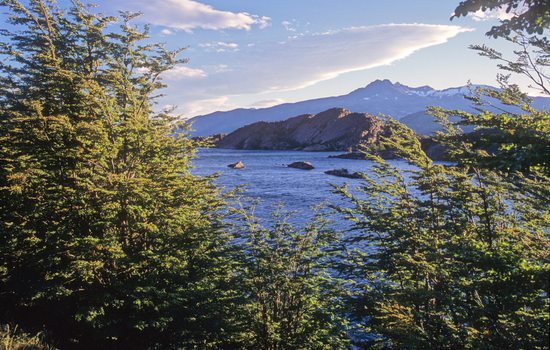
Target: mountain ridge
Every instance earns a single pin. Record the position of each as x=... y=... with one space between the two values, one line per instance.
x=336 y=129
x=378 y=97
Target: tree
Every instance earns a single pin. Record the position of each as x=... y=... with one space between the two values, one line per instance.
x=461 y=258
x=531 y=16
x=449 y=256
x=291 y=300
x=515 y=138
x=106 y=239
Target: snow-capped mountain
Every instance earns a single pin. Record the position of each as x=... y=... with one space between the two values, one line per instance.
x=379 y=97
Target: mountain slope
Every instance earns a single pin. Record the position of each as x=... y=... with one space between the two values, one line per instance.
x=336 y=129
x=379 y=97
x=425 y=124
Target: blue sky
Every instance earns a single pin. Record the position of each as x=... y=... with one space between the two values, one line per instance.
x=256 y=53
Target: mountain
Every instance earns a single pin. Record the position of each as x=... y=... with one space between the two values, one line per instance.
x=425 y=124
x=379 y=97
x=336 y=129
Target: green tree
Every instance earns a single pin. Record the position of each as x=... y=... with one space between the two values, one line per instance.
x=106 y=239
x=531 y=16
x=291 y=299
x=516 y=136
x=514 y=139
x=456 y=256
x=450 y=256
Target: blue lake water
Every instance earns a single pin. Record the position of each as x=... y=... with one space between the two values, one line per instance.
x=267 y=178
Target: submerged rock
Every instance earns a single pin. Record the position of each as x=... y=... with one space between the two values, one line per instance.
x=238 y=165
x=350 y=155
x=384 y=154
x=344 y=173
x=301 y=165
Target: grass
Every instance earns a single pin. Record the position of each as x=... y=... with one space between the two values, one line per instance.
x=13 y=339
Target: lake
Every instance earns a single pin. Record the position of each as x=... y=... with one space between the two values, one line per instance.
x=267 y=178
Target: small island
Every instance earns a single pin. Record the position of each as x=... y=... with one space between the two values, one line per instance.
x=336 y=129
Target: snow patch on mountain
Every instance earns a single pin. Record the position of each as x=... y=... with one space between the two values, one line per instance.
x=379 y=97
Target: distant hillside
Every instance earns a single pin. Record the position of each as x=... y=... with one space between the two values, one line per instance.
x=336 y=129
x=425 y=124
x=379 y=97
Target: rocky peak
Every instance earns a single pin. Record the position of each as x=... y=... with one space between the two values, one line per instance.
x=332 y=113
x=336 y=129
x=378 y=83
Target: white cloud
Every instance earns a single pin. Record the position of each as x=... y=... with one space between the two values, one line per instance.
x=166 y=31
x=288 y=26
x=204 y=106
x=168 y=108
x=216 y=68
x=308 y=59
x=267 y=103
x=189 y=14
x=220 y=46
x=262 y=21
x=182 y=72
x=498 y=13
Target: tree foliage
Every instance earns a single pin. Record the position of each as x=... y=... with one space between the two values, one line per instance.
x=291 y=298
x=531 y=16
x=514 y=139
x=456 y=256
x=450 y=257
x=106 y=239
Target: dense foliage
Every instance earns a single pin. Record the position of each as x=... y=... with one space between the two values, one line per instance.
x=460 y=257
x=106 y=239
x=291 y=300
x=457 y=256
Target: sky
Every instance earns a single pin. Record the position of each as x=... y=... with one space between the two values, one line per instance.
x=258 y=53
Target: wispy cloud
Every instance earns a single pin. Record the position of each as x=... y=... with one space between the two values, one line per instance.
x=309 y=59
x=204 y=106
x=304 y=61
x=288 y=25
x=189 y=14
x=220 y=46
x=267 y=103
x=183 y=72
x=499 y=13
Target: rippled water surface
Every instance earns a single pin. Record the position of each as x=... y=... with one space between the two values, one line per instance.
x=266 y=176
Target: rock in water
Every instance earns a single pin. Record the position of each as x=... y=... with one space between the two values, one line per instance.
x=301 y=165
x=238 y=165
x=344 y=173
